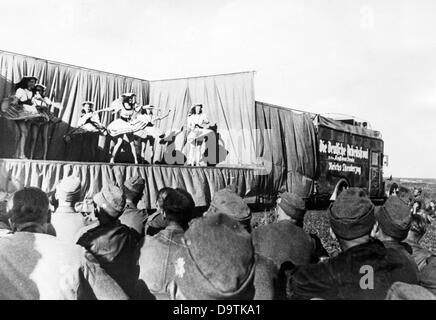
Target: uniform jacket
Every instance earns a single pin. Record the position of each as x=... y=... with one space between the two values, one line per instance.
x=340 y=277
x=115 y=246
x=156 y=260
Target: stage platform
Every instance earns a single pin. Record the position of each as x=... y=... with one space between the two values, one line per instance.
x=201 y=182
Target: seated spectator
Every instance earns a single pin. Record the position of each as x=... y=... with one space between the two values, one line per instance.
x=156 y=222
x=132 y=216
x=228 y=202
x=156 y=260
x=417 y=230
x=65 y=220
x=285 y=240
x=216 y=262
x=114 y=245
x=352 y=221
x=392 y=227
x=35 y=265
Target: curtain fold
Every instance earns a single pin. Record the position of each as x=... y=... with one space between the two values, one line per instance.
x=69 y=86
x=287 y=142
x=201 y=183
x=228 y=101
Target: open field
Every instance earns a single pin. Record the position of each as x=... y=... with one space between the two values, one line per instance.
x=317 y=221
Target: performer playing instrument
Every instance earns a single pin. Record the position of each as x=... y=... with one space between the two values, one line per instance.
x=20 y=108
x=198 y=129
x=150 y=133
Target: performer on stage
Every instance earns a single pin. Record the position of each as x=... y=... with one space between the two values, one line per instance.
x=86 y=134
x=89 y=120
x=198 y=129
x=43 y=123
x=20 y=108
x=150 y=133
x=123 y=127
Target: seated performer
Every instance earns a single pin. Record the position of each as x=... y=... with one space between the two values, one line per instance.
x=20 y=108
x=123 y=127
x=150 y=133
x=198 y=130
x=87 y=132
x=43 y=105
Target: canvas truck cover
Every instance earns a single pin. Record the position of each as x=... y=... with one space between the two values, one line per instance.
x=287 y=142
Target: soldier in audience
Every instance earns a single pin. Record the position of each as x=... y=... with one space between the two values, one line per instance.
x=216 y=261
x=417 y=230
x=132 y=216
x=35 y=265
x=392 y=226
x=269 y=283
x=228 y=202
x=352 y=221
x=156 y=259
x=156 y=222
x=113 y=244
x=65 y=220
x=285 y=240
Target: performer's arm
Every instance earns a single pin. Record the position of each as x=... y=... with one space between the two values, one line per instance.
x=163 y=117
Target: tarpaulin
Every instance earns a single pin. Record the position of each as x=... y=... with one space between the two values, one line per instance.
x=67 y=85
x=228 y=101
x=287 y=144
x=200 y=182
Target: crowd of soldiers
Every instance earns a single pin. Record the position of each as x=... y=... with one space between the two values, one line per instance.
x=59 y=246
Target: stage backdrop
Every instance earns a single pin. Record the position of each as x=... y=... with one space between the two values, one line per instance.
x=228 y=101
x=287 y=143
x=68 y=85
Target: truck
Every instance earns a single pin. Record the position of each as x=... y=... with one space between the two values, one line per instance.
x=319 y=155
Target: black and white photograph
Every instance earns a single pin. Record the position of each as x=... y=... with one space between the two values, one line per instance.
x=244 y=150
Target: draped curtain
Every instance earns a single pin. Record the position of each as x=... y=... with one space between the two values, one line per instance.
x=287 y=142
x=228 y=101
x=69 y=86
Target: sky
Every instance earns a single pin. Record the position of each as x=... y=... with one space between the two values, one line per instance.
x=375 y=60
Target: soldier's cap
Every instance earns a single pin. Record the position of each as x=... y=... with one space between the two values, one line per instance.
x=394 y=218
x=217 y=260
x=404 y=291
x=229 y=202
x=135 y=184
x=111 y=199
x=69 y=189
x=352 y=214
x=291 y=204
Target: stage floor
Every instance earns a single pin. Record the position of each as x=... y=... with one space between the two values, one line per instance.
x=201 y=182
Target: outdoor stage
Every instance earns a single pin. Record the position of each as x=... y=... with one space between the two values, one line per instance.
x=201 y=182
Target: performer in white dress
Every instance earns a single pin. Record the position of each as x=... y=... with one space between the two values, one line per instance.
x=150 y=133
x=124 y=126
x=89 y=120
x=198 y=129
x=20 y=108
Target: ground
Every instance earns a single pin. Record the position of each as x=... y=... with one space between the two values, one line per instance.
x=317 y=221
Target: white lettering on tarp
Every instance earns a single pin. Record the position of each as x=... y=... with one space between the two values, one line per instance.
x=343 y=167
x=337 y=149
